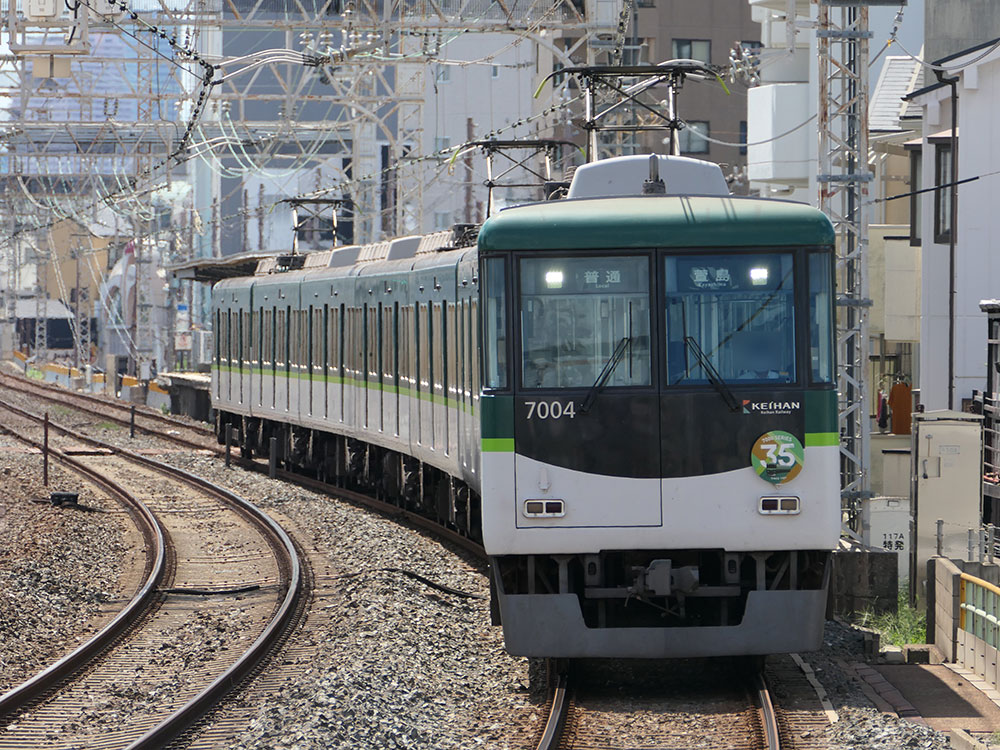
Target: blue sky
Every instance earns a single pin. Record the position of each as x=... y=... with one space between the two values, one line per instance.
x=911 y=31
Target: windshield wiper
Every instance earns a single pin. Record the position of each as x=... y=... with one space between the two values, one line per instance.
x=602 y=378
x=713 y=375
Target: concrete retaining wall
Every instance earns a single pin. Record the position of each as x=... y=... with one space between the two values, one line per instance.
x=863 y=581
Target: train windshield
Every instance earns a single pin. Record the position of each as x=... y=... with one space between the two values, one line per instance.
x=577 y=314
x=733 y=313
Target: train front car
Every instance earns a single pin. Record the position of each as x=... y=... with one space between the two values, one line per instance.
x=659 y=428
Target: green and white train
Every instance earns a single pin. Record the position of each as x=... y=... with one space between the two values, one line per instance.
x=628 y=395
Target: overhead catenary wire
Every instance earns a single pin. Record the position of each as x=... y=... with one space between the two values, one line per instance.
x=126 y=198
x=699 y=134
x=894 y=40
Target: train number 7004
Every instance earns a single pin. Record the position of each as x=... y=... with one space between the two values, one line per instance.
x=550 y=409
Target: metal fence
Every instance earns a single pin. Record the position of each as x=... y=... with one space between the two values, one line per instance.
x=979 y=603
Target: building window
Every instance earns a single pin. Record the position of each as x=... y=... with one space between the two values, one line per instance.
x=557 y=77
x=442 y=73
x=751 y=45
x=496 y=71
x=442 y=220
x=690 y=142
x=442 y=142
x=693 y=49
x=916 y=166
x=942 y=196
x=743 y=137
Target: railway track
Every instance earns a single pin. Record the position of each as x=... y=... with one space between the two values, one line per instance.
x=664 y=709
x=168 y=429
x=223 y=583
x=754 y=721
x=146 y=420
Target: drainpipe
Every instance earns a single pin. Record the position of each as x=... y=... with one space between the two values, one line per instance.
x=953 y=82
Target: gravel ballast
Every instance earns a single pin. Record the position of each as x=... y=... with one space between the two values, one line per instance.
x=403 y=665
x=60 y=568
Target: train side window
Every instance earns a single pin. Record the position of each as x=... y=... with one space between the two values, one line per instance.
x=495 y=350
x=229 y=337
x=269 y=336
x=403 y=367
x=282 y=335
x=278 y=340
x=420 y=336
x=821 y=319
x=288 y=340
x=460 y=339
x=333 y=349
x=431 y=348
x=474 y=330
x=324 y=334
x=254 y=338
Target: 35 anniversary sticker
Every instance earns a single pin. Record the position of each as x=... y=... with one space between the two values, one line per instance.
x=777 y=457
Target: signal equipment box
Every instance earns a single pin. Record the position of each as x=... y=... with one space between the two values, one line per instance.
x=947 y=481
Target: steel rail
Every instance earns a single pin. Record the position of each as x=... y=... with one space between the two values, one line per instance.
x=380 y=506
x=558 y=713
x=188 y=714
x=156 y=546
x=77 y=396
x=769 y=717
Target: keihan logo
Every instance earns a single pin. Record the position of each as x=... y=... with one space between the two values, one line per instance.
x=770 y=407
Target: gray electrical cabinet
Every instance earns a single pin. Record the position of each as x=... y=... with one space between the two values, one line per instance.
x=947 y=479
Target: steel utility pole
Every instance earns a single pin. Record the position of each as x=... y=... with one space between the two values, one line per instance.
x=844 y=177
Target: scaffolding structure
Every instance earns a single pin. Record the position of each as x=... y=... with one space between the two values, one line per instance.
x=144 y=122
x=843 y=179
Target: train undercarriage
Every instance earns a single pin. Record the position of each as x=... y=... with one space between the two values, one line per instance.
x=385 y=474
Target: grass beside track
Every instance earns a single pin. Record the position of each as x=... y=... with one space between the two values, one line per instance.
x=906 y=625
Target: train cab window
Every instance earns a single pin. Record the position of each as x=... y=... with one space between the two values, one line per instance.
x=731 y=313
x=495 y=349
x=582 y=315
x=821 y=320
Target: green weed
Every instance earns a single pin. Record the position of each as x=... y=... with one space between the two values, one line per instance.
x=906 y=625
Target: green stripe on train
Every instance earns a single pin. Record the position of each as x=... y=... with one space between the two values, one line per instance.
x=817 y=439
x=498 y=445
x=282 y=374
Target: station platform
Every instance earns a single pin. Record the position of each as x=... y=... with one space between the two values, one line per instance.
x=190 y=393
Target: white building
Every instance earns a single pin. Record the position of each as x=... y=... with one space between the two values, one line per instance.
x=977 y=243
x=482 y=83
x=787 y=96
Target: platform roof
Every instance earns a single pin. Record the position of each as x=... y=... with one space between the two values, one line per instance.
x=211 y=270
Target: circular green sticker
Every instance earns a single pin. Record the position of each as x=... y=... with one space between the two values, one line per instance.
x=777 y=456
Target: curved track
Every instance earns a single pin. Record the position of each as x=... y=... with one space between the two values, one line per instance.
x=563 y=691
x=58 y=693
x=166 y=428
x=147 y=420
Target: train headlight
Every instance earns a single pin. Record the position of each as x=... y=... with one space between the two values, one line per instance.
x=758 y=276
x=773 y=505
x=554 y=279
x=544 y=508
